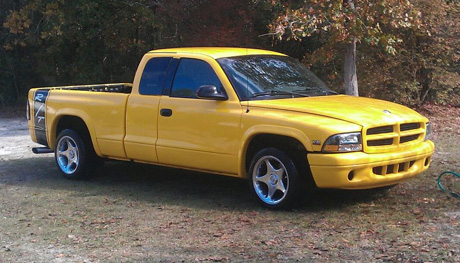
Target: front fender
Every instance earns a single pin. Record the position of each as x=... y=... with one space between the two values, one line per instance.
x=268 y=130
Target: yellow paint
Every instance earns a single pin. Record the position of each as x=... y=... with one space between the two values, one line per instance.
x=213 y=136
x=332 y=170
x=213 y=52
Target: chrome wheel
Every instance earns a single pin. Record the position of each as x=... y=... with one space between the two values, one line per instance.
x=270 y=179
x=68 y=155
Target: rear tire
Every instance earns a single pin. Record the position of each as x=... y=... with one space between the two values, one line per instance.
x=71 y=154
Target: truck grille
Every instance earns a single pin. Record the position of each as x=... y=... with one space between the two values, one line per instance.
x=380 y=142
x=378 y=130
x=408 y=138
x=388 y=138
x=410 y=126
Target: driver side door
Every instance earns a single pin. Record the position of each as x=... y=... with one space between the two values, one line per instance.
x=198 y=133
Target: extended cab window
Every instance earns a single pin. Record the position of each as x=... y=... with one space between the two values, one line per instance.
x=153 y=77
x=192 y=74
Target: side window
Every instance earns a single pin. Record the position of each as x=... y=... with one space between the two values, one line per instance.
x=153 y=77
x=192 y=74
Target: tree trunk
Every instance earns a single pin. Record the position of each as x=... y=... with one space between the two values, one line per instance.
x=349 y=66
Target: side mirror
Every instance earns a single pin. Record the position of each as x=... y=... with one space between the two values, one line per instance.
x=210 y=92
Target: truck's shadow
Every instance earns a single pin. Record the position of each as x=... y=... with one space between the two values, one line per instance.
x=165 y=186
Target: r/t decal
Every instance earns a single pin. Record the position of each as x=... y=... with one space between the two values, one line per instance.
x=39 y=97
x=40 y=118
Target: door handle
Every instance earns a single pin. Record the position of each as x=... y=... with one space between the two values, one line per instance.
x=166 y=112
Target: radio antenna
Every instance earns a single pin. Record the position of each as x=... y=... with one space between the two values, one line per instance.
x=247 y=87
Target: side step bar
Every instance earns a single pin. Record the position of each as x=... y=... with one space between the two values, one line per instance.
x=39 y=150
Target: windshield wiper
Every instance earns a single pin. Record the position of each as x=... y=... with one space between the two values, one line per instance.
x=278 y=92
x=317 y=89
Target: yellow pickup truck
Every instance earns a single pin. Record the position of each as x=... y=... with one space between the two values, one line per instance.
x=247 y=113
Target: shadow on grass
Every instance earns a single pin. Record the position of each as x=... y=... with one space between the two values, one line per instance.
x=164 y=186
x=336 y=199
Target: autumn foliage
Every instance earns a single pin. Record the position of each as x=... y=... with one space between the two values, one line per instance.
x=407 y=51
x=395 y=38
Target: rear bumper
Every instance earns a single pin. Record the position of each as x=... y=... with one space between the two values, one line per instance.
x=362 y=171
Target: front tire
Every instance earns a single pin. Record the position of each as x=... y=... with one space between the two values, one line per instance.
x=274 y=179
x=71 y=155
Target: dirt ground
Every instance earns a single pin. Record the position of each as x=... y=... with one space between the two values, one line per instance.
x=139 y=213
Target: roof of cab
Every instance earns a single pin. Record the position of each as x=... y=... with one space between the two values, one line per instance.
x=217 y=52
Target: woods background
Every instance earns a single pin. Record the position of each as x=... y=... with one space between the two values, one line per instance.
x=63 y=42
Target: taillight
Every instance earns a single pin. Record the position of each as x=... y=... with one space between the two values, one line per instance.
x=28 y=110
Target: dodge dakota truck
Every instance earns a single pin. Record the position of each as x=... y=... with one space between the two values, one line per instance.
x=246 y=113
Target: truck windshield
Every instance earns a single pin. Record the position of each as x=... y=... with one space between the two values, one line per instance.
x=271 y=77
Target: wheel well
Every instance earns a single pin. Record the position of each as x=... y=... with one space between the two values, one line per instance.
x=73 y=123
x=290 y=146
x=78 y=125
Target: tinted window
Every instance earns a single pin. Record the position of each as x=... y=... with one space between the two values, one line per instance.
x=192 y=74
x=153 y=76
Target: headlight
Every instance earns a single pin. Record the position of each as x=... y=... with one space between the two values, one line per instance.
x=428 y=131
x=346 y=142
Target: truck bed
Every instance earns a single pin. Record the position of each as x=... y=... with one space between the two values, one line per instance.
x=101 y=107
x=115 y=87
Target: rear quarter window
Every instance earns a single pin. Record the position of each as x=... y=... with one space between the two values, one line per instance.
x=154 y=75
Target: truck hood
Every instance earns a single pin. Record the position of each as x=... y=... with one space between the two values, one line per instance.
x=358 y=110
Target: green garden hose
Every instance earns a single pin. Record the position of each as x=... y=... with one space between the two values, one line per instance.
x=454 y=194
